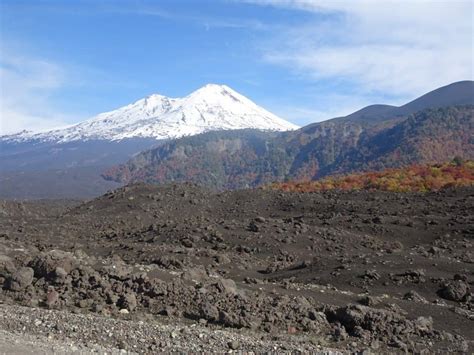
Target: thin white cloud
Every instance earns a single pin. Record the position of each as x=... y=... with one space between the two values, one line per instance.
x=401 y=48
x=208 y=22
x=32 y=88
x=26 y=85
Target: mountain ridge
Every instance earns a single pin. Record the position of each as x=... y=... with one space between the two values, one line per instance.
x=457 y=93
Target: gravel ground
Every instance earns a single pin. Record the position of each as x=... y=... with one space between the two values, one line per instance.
x=26 y=330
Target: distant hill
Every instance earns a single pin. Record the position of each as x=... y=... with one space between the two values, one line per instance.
x=459 y=93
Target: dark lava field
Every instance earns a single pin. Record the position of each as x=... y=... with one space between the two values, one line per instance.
x=361 y=272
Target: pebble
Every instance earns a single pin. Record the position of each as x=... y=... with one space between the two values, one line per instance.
x=234 y=345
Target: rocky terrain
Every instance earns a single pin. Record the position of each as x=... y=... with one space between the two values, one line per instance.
x=177 y=267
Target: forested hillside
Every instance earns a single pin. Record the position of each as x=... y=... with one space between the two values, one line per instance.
x=247 y=158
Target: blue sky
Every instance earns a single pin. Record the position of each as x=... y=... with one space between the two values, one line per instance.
x=305 y=60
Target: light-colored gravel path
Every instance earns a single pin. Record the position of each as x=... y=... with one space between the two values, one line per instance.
x=38 y=331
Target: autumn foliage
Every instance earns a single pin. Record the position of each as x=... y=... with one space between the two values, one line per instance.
x=415 y=178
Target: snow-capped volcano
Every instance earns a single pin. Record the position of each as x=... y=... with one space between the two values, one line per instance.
x=210 y=108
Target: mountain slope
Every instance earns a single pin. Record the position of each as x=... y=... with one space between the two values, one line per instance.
x=459 y=93
x=243 y=158
x=212 y=107
x=238 y=158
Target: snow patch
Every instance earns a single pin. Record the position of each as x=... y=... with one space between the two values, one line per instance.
x=212 y=107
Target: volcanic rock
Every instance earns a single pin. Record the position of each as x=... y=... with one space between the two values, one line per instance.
x=454 y=291
x=45 y=264
x=20 y=279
